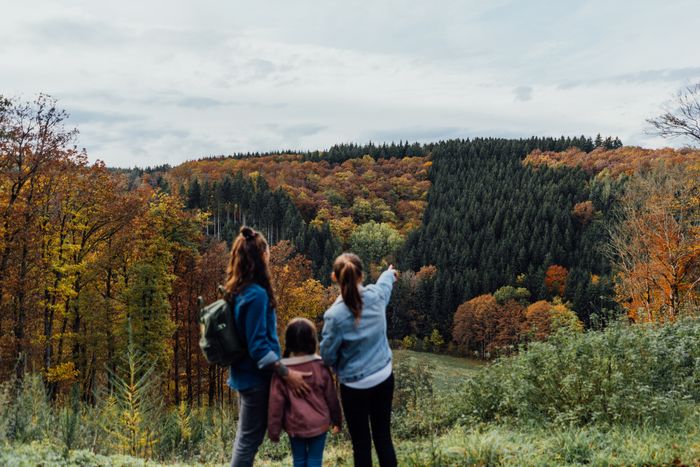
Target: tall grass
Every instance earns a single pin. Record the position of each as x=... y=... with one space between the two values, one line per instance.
x=625 y=395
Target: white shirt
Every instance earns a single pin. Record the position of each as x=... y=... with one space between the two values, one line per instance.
x=372 y=380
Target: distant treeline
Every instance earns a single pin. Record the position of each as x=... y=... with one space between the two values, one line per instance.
x=342 y=152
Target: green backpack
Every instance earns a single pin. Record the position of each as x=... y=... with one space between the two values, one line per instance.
x=219 y=340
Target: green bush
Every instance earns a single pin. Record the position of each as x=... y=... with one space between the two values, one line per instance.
x=29 y=417
x=69 y=417
x=625 y=374
x=5 y=409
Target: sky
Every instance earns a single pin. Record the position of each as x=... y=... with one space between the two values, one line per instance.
x=155 y=82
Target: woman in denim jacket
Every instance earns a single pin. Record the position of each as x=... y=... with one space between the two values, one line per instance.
x=355 y=345
x=249 y=291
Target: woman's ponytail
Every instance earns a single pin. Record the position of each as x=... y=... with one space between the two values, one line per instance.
x=247 y=264
x=348 y=272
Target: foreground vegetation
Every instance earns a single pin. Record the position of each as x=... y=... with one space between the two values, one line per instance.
x=627 y=395
x=479 y=445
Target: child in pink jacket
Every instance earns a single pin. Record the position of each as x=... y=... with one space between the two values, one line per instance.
x=306 y=419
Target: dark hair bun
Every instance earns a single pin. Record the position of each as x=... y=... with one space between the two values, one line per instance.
x=247 y=232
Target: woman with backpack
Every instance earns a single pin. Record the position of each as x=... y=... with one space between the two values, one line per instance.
x=249 y=291
x=355 y=345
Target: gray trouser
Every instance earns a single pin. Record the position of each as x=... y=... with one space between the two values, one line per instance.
x=252 y=424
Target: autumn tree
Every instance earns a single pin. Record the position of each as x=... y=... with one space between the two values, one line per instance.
x=555 y=279
x=90 y=209
x=583 y=212
x=510 y=319
x=298 y=293
x=475 y=323
x=482 y=324
x=655 y=245
x=543 y=318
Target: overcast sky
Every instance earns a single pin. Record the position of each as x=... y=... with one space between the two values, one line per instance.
x=154 y=82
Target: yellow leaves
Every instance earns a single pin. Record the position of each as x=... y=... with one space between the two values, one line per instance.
x=342 y=228
x=563 y=318
x=297 y=293
x=63 y=373
x=302 y=301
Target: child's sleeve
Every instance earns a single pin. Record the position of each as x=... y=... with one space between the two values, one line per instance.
x=275 y=411
x=332 y=401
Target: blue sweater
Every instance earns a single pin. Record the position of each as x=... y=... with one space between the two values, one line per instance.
x=256 y=323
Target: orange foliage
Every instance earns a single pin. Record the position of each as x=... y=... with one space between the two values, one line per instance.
x=475 y=323
x=555 y=279
x=657 y=245
x=583 y=211
x=543 y=318
x=485 y=326
x=510 y=320
x=538 y=320
x=627 y=159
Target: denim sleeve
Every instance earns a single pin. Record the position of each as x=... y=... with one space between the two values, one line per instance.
x=385 y=285
x=260 y=348
x=330 y=342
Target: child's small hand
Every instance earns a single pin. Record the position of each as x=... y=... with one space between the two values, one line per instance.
x=335 y=430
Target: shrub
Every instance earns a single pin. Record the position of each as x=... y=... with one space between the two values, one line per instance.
x=5 y=409
x=69 y=417
x=30 y=414
x=436 y=340
x=626 y=374
x=408 y=343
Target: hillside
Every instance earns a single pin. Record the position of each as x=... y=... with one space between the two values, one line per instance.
x=345 y=194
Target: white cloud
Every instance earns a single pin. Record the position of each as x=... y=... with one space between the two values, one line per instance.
x=155 y=82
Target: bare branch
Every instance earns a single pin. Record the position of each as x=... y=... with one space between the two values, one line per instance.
x=684 y=120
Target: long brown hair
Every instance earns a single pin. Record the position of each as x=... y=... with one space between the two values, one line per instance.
x=348 y=272
x=247 y=264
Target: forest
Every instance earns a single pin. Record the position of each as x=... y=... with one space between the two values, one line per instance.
x=501 y=244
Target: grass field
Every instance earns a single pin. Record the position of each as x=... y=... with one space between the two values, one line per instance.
x=448 y=372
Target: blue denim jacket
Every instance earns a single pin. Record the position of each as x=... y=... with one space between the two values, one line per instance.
x=256 y=323
x=353 y=350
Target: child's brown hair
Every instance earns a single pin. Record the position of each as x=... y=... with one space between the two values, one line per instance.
x=300 y=337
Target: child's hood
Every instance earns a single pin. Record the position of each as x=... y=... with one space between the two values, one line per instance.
x=292 y=361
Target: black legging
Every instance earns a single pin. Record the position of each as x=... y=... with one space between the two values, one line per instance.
x=365 y=407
